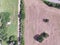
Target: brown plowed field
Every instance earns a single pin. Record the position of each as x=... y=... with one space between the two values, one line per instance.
x=35 y=12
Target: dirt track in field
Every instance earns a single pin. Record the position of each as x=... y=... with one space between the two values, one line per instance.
x=35 y=12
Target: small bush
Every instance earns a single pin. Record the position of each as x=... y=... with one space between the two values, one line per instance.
x=12 y=39
x=41 y=37
x=44 y=35
x=22 y=13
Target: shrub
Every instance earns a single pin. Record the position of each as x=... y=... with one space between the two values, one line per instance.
x=22 y=13
x=44 y=35
x=12 y=39
x=41 y=37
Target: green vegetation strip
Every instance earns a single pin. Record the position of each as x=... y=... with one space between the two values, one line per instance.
x=9 y=14
x=22 y=17
x=4 y=17
x=52 y=4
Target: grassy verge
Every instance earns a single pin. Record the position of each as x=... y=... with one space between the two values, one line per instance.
x=52 y=4
x=22 y=17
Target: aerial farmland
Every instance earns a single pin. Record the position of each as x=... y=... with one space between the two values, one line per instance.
x=42 y=22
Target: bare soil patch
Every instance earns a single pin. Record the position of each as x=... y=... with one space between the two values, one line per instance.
x=35 y=12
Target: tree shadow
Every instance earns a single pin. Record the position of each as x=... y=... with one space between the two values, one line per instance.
x=36 y=36
x=41 y=37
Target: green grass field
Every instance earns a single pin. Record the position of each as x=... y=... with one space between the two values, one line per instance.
x=10 y=6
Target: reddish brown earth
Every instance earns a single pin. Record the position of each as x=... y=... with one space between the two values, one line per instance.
x=35 y=12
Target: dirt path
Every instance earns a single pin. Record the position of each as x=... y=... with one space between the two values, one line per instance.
x=18 y=21
x=36 y=11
